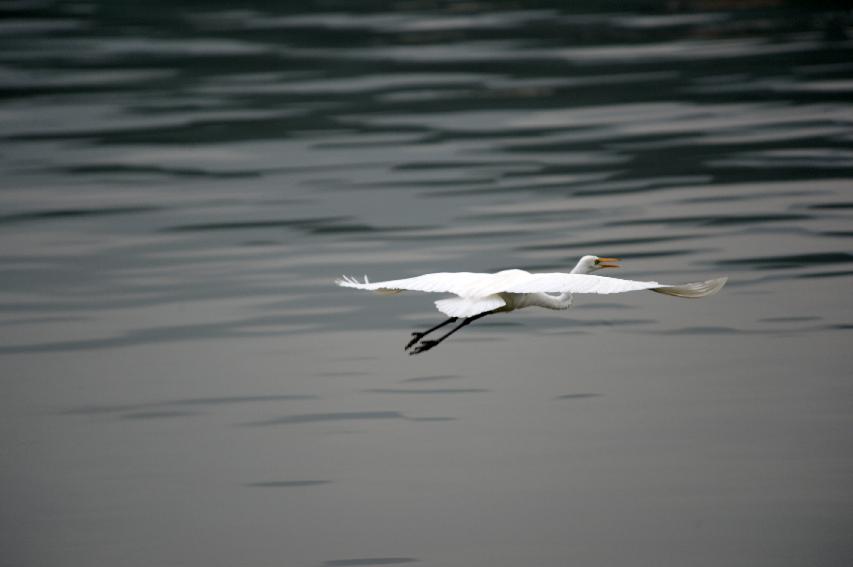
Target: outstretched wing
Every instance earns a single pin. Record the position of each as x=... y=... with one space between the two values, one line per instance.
x=576 y=283
x=474 y=285
x=463 y=284
x=585 y=283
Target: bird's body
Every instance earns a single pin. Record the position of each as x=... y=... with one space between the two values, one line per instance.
x=480 y=294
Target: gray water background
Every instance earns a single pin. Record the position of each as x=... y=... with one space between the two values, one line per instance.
x=182 y=385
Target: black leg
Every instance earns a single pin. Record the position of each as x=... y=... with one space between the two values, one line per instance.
x=426 y=345
x=416 y=336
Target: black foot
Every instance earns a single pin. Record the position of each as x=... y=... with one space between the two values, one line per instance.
x=415 y=338
x=423 y=346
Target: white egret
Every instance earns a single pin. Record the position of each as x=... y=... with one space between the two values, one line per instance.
x=478 y=295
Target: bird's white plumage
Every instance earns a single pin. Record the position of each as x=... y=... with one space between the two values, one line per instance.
x=478 y=295
x=577 y=283
x=509 y=290
x=463 y=284
x=478 y=285
x=465 y=307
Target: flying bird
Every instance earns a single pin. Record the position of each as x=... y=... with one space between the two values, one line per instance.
x=478 y=295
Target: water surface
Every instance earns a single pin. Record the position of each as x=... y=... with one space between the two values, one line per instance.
x=183 y=385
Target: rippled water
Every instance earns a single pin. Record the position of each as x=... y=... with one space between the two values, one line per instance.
x=183 y=385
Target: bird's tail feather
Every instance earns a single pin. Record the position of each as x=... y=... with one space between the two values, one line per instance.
x=468 y=307
x=693 y=290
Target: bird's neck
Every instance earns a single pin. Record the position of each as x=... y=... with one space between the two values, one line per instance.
x=562 y=301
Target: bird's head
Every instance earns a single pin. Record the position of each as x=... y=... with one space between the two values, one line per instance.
x=590 y=264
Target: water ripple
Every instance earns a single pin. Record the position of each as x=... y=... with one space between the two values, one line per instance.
x=182 y=183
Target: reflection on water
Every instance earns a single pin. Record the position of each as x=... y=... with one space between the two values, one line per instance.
x=182 y=184
x=340 y=416
x=118 y=409
x=427 y=391
x=431 y=378
x=287 y=483
x=369 y=561
x=576 y=396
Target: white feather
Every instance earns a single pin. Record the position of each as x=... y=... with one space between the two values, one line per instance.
x=514 y=289
x=463 y=307
x=474 y=285
x=478 y=295
x=693 y=290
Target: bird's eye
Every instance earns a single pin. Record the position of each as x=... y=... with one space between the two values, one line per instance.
x=596 y=261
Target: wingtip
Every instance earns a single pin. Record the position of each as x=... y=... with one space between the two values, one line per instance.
x=349 y=281
x=716 y=285
x=693 y=290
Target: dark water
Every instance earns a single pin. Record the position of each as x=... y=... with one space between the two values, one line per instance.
x=183 y=385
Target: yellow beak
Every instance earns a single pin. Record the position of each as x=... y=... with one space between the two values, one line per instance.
x=608 y=262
